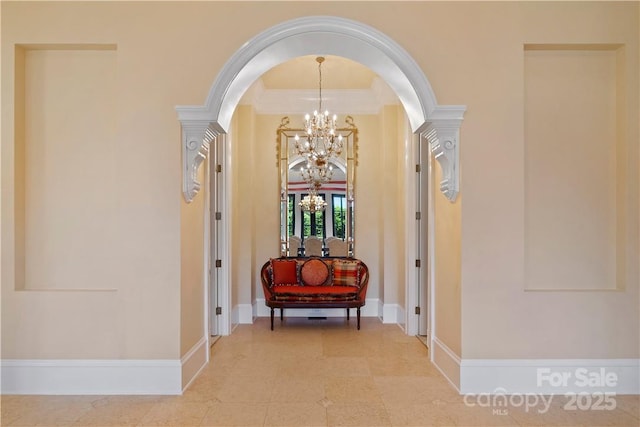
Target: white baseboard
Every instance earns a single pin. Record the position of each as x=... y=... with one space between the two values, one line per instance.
x=370 y=309
x=401 y=318
x=392 y=313
x=550 y=376
x=194 y=361
x=84 y=376
x=243 y=314
x=536 y=376
x=447 y=362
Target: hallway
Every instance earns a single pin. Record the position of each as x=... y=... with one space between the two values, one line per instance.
x=306 y=372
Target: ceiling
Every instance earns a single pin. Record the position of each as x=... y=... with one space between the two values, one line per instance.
x=348 y=87
x=302 y=73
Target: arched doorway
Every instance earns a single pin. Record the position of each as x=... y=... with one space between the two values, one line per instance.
x=435 y=124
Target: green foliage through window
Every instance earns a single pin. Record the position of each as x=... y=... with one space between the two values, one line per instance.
x=313 y=224
x=339 y=208
x=291 y=217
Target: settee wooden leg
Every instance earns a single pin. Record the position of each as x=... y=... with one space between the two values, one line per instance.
x=281 y=314
x=347 y=314
x=358 y=318
x=272 y=318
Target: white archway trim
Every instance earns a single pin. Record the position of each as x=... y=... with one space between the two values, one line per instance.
x=326 y=35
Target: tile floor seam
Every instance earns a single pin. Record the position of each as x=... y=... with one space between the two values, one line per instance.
x=636 y=415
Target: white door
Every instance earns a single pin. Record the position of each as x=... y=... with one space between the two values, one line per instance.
x=422 y=208
x=216 y=183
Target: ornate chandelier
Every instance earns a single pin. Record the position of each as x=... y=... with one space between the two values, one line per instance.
x=312 y=202
x=320 y=141
x=316 y=175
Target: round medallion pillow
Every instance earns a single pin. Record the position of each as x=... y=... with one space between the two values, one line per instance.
x=314 y=272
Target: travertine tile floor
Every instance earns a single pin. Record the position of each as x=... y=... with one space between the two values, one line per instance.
x=307 y=373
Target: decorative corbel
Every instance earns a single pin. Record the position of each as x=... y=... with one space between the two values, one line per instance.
x=442 y=133
x=196 y=138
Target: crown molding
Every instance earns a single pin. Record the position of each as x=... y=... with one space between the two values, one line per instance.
x=302 y=101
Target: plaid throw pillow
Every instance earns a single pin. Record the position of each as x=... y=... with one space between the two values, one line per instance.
x=346 y=273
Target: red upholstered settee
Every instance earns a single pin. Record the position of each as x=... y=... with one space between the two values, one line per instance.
x=313 y=282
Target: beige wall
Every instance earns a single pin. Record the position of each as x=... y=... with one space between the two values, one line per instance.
x=447 y=286
x=387 y=200
x=69 y=151
x=266 y=226
x=496 y=144
x=192 y=281
x=570 y=213
x=244 y=188
x=472 y=53
x=369 y=214
x=404 y=137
